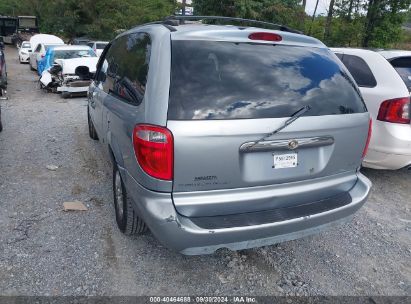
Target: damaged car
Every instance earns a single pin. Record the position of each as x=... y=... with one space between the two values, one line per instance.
x=68 y=69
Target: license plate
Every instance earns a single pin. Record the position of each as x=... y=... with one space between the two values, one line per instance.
x=285 y=160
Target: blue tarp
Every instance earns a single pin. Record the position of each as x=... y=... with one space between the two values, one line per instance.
x=46 y=62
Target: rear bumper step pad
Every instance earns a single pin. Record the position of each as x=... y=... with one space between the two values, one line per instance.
x=271 y=216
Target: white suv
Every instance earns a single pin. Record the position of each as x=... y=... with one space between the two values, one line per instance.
x=384 y=79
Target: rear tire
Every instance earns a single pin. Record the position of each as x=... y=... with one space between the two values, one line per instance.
x=127 y=220
x=65 y=95
x=91 y=130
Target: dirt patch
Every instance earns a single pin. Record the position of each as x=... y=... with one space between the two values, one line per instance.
x=77 y=189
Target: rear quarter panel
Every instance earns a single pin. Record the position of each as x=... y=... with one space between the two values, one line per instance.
x=124 y=117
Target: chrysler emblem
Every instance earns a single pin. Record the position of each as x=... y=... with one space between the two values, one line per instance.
x=292 y=144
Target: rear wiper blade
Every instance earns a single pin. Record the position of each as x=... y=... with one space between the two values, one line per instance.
x=288 y=122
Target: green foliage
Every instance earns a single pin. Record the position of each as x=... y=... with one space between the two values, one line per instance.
x=287 y=12
x=373 y=23
x=100 y=19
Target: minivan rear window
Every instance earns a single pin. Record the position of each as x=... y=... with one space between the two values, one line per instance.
x=228 y=80
x=403 y=67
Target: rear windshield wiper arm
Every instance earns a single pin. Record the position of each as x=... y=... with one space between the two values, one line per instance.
x=288 y=122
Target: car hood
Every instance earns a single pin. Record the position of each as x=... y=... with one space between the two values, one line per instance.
x=70 y=65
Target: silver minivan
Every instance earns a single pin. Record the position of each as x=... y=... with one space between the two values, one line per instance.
x=227 y=136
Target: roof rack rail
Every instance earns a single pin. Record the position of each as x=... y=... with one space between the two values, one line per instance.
x=167 y=23
x=176 y=20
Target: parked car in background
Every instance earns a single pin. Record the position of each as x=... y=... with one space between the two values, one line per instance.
x=98 y=46
x=3 y=77
x=384 y=79
x=79 y=41
x=24 y=52
x=220 y=140
x=40 y=43
x=68 y=69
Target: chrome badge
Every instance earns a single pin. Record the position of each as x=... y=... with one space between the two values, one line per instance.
x=292 y=144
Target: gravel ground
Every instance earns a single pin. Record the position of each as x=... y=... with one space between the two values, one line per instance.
x=46 y=251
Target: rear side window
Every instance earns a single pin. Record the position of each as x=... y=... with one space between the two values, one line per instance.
x=226 y=80
x=403 y=67
x=127 y=67
x=360 y=70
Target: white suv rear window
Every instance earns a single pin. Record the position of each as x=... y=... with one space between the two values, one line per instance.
x=403 y=67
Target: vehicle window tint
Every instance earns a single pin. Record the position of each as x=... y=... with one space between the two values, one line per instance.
x=10 y=23
x=360 y=70
x=70 y=54
x=403 y=67
x=38 y=48
x=100 y=46
x=340 y=56
x=128 y=60
x=227 y=80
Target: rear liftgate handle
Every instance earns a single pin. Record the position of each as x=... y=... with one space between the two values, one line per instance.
x=286 y=144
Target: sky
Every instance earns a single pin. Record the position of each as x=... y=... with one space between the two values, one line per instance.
x=321 y=9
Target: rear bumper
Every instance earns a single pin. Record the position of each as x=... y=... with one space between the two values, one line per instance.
x=181 y=234
x=386 y=161
x=24 y=58
x=390 y=146
x=73 y=89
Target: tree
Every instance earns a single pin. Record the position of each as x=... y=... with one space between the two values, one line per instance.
x=351 y=3
x=286 y=12
x=312 y=18
x=100 y=19
x=327 y=30
x=304 y=5
x=371 y=23
x=383 y=22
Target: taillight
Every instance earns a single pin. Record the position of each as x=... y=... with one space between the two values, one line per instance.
x=395 y=110
x=153 y=147
x=265 y=36
x=368 y=139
